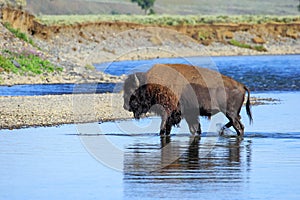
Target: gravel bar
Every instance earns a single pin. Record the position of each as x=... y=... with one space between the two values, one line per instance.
x=50 y=110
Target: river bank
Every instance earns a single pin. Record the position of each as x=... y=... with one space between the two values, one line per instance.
x=50 y=110
x=77 y=47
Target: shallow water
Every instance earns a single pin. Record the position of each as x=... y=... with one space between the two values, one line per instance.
x=259 y=73
x=57 y=163
x=55 y=89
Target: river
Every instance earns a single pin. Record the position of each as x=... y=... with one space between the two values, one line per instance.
x=272 y=73
x=128 y=160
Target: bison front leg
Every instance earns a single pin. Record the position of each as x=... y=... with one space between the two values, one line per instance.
x=165 y=126
x=195 y=128
x=194 y=124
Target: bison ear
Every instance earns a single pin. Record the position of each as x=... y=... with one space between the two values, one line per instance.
x=136 y=80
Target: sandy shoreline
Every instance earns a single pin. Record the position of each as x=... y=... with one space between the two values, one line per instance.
x=50 y=110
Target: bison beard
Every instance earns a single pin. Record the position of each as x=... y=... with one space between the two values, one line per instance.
x=157 y=99
x=175 y=91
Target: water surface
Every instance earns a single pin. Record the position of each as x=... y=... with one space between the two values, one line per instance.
x=259 y=73
x=128 y=160
x=55 y=89
x=55 y=163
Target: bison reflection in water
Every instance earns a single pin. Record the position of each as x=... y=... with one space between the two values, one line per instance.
x=175 y=91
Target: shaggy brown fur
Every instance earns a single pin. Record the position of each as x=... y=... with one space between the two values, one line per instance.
x=175 y=90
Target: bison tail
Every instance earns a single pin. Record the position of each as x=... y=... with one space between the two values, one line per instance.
x=248 y=106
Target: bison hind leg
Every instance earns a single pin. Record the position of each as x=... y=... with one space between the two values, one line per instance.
x=239 y=127
x=236 y=123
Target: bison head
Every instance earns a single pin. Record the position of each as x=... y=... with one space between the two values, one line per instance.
x=132 y=101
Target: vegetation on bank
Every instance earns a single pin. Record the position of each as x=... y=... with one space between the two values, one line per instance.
x=18 y=33
x=171 y=20
x=25 y=63
x=247 y=46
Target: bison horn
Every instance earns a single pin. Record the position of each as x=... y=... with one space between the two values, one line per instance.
x=136 y=80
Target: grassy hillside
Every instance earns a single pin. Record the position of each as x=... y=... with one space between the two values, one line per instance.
x=170 y=20
x=191 y=7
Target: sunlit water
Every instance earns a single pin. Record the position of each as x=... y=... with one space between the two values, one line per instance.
x=57 y=163
x=271 y=74
x=128 y=160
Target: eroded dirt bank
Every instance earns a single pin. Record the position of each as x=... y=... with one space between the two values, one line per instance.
x=107 y=41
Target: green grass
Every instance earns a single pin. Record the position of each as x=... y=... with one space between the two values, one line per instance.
x=238 y=44
x=18 y=33
x=171 y=20
x=247 y=46
x=259 y=48
x=29 y=64
x=7 y=65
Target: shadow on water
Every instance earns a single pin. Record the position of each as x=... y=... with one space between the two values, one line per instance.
x=179 y=166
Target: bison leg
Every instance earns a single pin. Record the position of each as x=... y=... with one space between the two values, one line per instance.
x=165 y=126
x=236 y=123
x=168 y=127
x=194 y=125
x=228 y=125
x=239 y=127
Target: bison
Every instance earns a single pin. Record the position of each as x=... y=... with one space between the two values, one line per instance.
x=176 y=91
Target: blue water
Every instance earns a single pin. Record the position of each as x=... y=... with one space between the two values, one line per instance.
x=57 y=163
x=55 y=89
x=128 y=160
x=259 y=73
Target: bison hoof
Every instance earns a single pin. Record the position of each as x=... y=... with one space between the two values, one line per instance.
x=220 y=128
x=224 y=131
